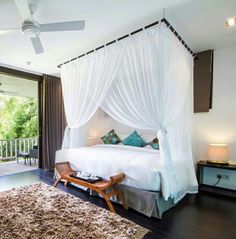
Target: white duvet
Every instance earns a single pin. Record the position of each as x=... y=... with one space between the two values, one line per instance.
x=140 y=165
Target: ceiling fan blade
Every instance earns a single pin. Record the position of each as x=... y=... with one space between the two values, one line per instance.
x=9 y=31
x=38 y=48
x=62 y=26
x=23 y=8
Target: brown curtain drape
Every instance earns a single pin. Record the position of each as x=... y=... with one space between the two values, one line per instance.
x=53 y=120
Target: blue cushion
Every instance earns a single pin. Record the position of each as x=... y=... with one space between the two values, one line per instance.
x=134 y=139
x=154 y=143
x=111 y=138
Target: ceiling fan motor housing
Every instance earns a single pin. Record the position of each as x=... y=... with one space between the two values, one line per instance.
x=31 y=28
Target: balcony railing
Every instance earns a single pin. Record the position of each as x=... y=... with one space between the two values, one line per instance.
x=10 y=148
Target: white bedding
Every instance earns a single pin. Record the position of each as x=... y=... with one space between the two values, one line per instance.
x=141 y=165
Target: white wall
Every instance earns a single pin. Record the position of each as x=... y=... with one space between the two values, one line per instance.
x=219 y=125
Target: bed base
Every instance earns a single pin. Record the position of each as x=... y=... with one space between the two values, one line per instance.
x=149 y=203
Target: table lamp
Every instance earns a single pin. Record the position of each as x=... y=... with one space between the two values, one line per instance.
x=218 y=154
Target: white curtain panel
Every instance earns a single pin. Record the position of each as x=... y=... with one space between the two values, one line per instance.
x=85 y=83
x=150 y=90
x=179 y=136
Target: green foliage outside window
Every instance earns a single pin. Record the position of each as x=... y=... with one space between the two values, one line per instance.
x=18 y=117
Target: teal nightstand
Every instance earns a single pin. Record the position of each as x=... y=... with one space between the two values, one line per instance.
x=217 y=178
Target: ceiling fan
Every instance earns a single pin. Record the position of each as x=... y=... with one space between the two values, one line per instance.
x=7 y=92
x=32 y=29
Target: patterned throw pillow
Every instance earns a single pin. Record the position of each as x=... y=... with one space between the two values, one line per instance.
x=134 y=139
x=111 y=138
x=154 y=143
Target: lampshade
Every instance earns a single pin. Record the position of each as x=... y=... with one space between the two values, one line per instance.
x=218 y=152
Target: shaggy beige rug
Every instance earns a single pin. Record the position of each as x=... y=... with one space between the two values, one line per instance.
x=41 y=211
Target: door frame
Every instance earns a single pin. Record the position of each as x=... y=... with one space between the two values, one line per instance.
x=34 y=77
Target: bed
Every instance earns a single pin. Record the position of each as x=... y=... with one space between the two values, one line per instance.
x=142 y=166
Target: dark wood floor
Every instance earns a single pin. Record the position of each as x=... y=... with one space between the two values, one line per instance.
x=202 y=216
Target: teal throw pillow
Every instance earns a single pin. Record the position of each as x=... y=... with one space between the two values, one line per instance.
x=154 y=143
x=134 y=139
x=111 y=138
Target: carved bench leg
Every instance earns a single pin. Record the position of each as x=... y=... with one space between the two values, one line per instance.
x=121 y=197
x=108 y=201
x=56 y=183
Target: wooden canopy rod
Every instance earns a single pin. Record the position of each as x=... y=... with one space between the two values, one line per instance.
x=132 y=33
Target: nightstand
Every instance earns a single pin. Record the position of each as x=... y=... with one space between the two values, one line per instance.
x=217 y=178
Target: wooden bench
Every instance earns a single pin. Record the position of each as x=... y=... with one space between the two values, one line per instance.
x=64 y=170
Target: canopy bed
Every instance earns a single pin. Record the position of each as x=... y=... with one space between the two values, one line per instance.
x=145 y=82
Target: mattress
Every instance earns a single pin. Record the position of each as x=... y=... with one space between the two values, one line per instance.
x=142 y=166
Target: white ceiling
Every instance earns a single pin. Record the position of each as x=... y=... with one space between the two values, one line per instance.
x=200 y=22
x=18 y=86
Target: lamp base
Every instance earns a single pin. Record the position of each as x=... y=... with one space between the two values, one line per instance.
x=218 y=162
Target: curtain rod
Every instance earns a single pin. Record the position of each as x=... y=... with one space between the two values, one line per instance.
x=132 y=33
